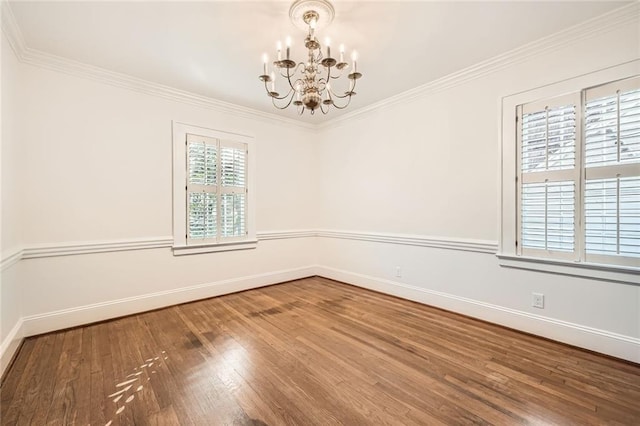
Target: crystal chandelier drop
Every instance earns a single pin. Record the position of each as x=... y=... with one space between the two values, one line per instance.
x=312 y=84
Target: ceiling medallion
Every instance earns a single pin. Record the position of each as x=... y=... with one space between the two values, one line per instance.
x=311 y=84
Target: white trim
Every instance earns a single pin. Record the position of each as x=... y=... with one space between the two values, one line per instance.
x=88 y=247
x=508 y=147
x=585 y=30
x=11 y=259
x=181 y=244
x=45 y=60
x=10 y=345
x=124 y=81
x=602 y=341
x=617 y=345
x=279 y=235
x=215 y=247
x=75 y=248
x=11 y=29
x=614 y=273
x=479 y=246
x=81 y=315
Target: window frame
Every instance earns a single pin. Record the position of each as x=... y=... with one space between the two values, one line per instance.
x=509 y=254
x=181 y=244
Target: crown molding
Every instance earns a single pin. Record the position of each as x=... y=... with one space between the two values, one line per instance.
x=101 y=75
x=41 y=59
x=582 y=31
x=585 y=30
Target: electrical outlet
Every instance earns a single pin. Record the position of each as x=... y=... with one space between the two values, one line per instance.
x=538 y=300
x=398 y=272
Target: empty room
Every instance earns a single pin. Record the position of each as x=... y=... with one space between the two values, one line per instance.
x=320 y=212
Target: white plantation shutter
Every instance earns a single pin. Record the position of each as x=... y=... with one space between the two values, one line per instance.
x=548 y=139
x=578 y=166
x=216 y=190
x=233 y=165
x=548 y=216
x=202 y=159
x=612 y=173
x=548 y=177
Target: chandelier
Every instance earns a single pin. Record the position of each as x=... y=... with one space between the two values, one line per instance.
x=311 y=84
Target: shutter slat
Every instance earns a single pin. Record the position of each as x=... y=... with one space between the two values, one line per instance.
x=548 y=216
x=548 y=139
x=602 y=133
x=606 y=200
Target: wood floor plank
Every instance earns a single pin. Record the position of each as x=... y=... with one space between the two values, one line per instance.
x=312 y=351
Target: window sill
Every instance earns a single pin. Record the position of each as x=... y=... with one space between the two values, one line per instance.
x=212 y=248
x=615 y=273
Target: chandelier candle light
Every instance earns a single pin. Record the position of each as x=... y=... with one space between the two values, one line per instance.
x=310 y=83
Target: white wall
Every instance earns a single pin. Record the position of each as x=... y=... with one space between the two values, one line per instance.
x=94 y=164
x=431 y=167
x=86 y=172
x=10 y=207
x=97 y=166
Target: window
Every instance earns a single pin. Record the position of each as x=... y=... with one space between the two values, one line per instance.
x=571 y=176
x=212 y=190
x=570 y=207
x=548 y=178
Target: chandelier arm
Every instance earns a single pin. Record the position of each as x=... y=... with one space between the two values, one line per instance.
x=343 y=106
x=267 y=89
x=352 y=87
x=273 y=100
x=282 y=97
x=289 y=75
x=346 y=95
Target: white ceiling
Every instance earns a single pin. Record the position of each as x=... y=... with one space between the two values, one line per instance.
x=214 y=48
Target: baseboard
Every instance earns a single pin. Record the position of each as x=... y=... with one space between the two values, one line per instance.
x=10 y=346
x=57 y=320
x=602 y=341
x=619 y=346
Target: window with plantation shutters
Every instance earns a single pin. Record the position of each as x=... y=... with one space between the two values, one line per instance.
x=578 y=192
x=548 y=176
x=216 y=189
x=612 y=172
x=212 y=204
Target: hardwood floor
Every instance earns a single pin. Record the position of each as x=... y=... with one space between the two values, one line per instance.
x=312 y=351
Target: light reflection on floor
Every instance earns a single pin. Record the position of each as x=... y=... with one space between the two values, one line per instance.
x=137 y=379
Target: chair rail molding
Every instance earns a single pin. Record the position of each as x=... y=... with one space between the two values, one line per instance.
x=36 y=251
x=10 y=258
x=448 y=243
